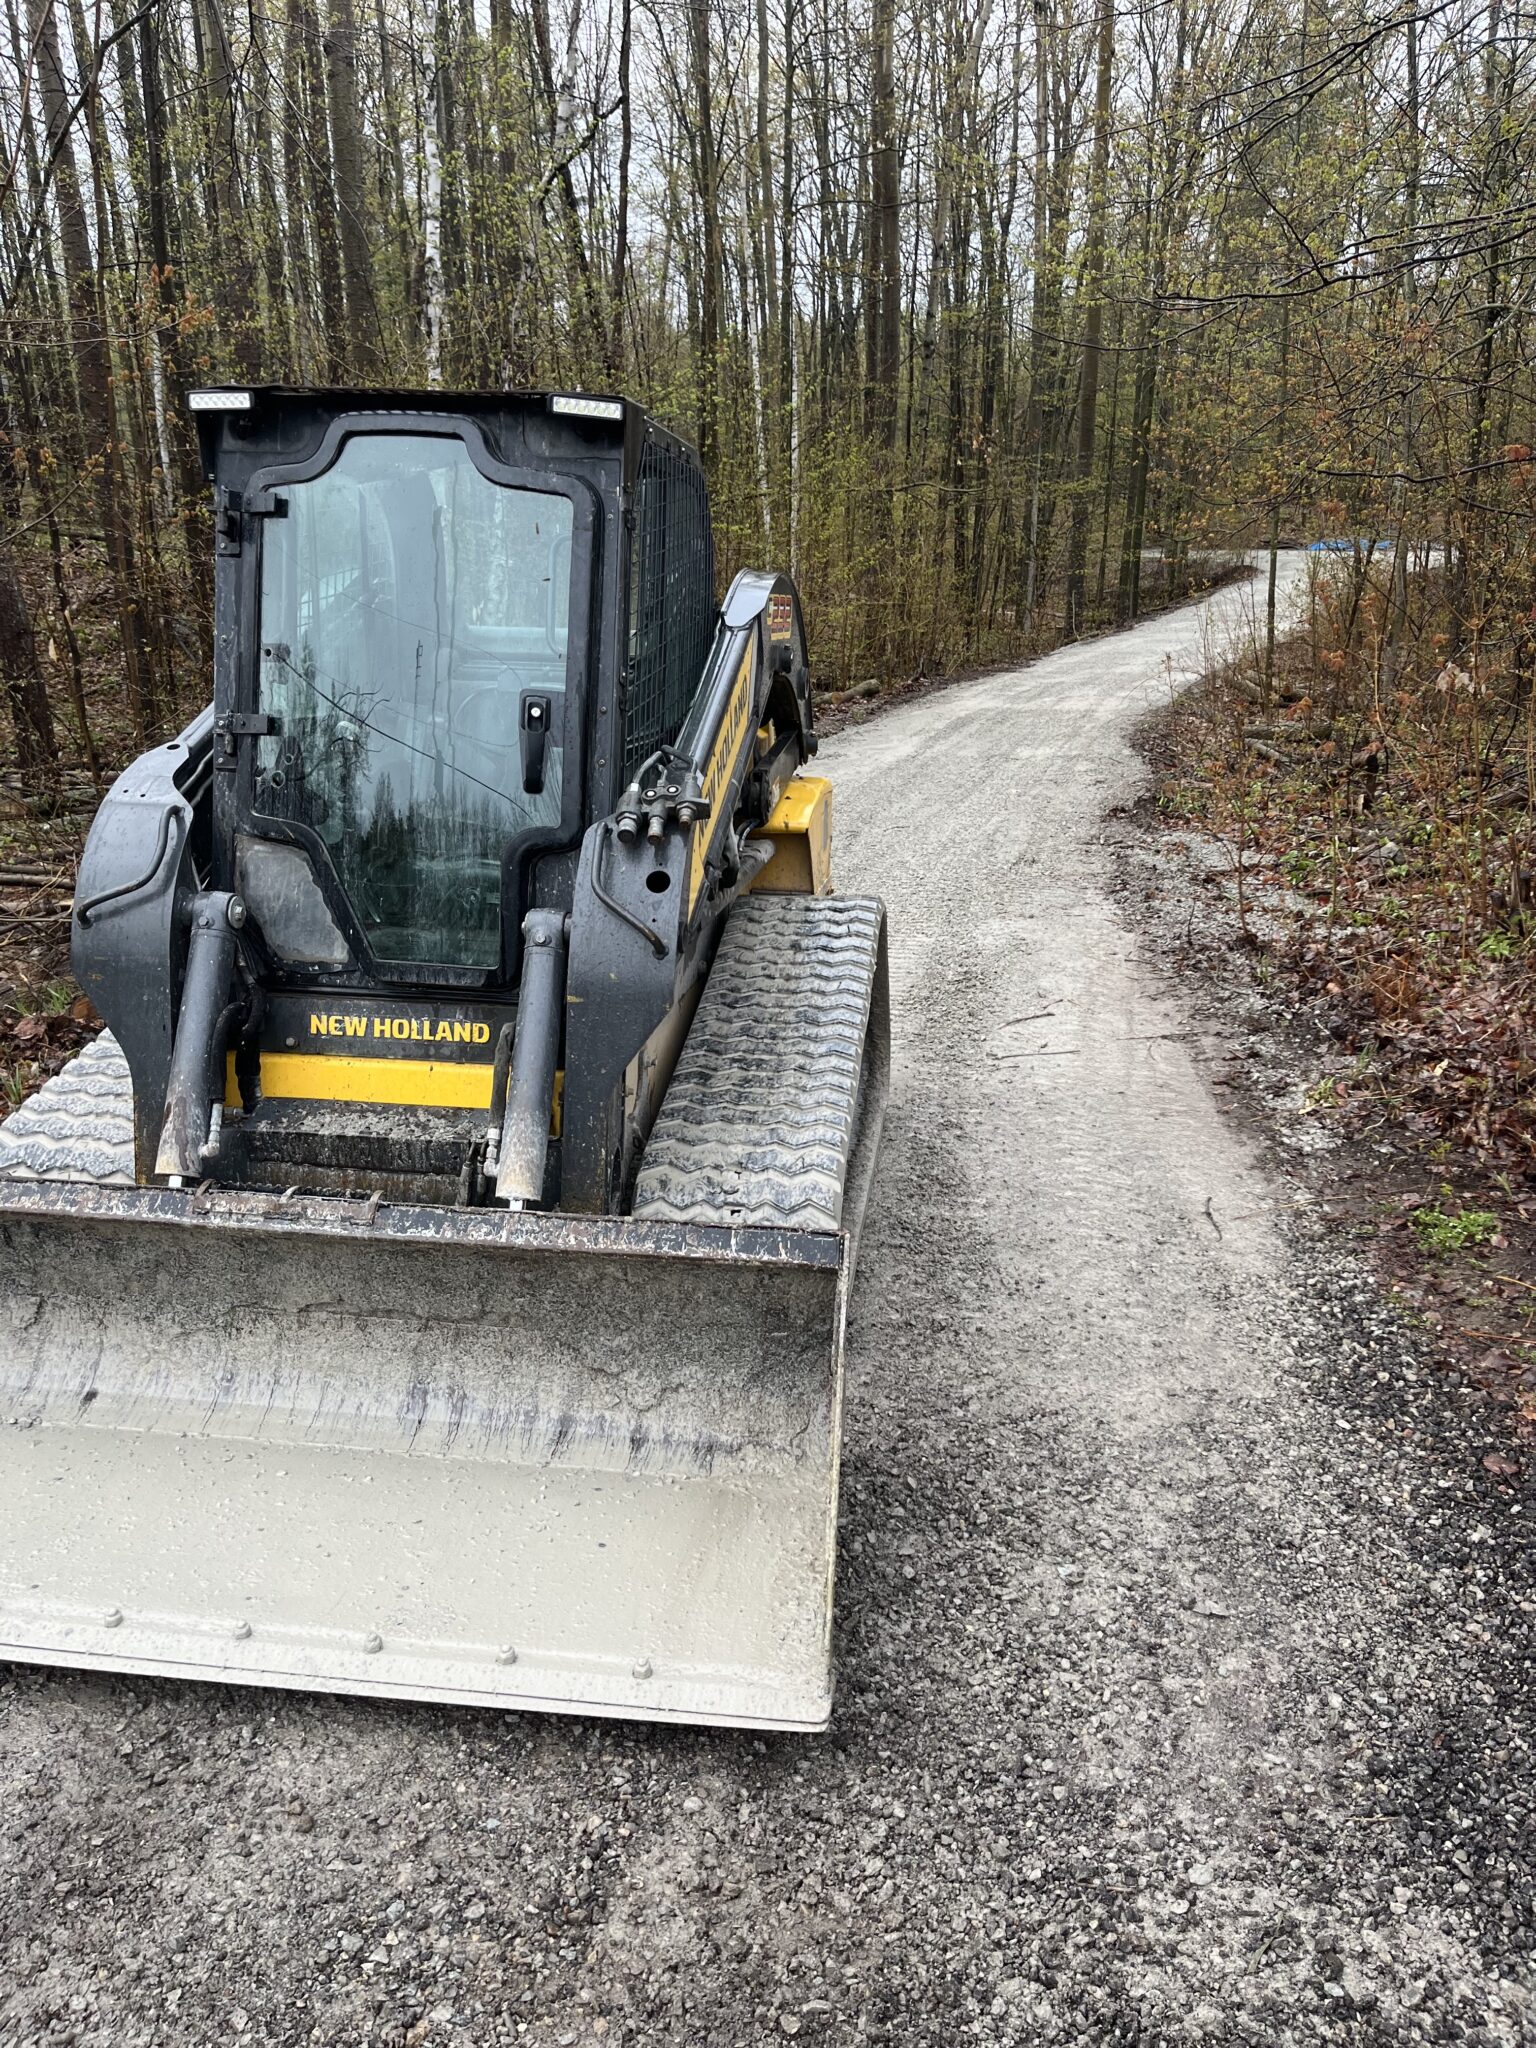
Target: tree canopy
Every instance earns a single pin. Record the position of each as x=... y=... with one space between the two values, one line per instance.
x=989 y=318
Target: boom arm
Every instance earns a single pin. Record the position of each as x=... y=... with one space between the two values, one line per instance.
x=657 y=878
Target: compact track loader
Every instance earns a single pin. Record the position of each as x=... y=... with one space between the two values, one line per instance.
x=433 y=1281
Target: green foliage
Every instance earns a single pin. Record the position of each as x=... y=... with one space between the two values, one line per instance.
x=1463 y=1230
x=1298 y=867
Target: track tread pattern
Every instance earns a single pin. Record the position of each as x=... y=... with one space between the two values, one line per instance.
x=78 y=1126
x=759 y=1123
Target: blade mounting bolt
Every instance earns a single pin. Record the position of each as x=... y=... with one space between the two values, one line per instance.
x=113 y=1618
x=506 y=1654
x=643 y=1668
x=373 y=1642
x=240 y=1631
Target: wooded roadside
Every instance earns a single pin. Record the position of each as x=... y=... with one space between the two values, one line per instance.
x=987 y=316
x=1369 y=852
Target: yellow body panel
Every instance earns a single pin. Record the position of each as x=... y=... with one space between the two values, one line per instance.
x=800 y=830
x=332 y=1077
x=717 y=773
x=423 y=1084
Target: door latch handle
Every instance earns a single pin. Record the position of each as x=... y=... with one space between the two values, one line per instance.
x=533 y=738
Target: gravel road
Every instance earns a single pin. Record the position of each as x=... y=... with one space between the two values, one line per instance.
x=1184 y=1664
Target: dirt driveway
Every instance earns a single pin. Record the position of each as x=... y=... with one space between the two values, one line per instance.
x=1184 y=1669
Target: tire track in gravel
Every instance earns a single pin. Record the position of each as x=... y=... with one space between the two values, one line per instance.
x=1179 y=1689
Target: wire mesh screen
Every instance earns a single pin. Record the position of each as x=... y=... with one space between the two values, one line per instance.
x=671 y=601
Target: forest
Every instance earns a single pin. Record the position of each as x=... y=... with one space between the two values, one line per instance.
x=994 y=322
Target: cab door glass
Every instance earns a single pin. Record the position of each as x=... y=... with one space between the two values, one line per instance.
x=408 y=604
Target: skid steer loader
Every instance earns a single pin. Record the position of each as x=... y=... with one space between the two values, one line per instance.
x=432 y=1284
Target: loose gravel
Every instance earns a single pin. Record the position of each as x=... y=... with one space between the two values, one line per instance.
x=1184 y=1642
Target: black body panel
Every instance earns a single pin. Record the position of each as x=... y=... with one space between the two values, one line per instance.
x=677 y=727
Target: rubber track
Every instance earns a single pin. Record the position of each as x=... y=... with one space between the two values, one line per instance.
x=759 y=1122
x=78 y=1126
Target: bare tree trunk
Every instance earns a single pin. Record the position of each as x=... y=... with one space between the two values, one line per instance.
x=767 y=233
x=788 y=390
x=42 y=481
x=1412 y=170
x=1271 y=580
x=710 y=255
x=620 y=287
x=392 y=156
x=26 y=693
x=347 y=151
x=314 y=139
x=301 y=283
x=559 y=91
x=101 y=449
x=238 y=313
x=1093 y=323
x=197 y=530
x=1498 y=95
x=1271 y=584
x=1054 y=149
x=1134 y=532
x=883 y=303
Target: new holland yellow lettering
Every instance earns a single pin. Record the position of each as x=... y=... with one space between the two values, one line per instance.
x=425 y=1030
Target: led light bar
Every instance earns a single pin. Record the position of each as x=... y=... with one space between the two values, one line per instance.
x=218 y=401
x=588 y=408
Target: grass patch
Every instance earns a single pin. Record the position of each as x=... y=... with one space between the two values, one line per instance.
x=1462 y=1231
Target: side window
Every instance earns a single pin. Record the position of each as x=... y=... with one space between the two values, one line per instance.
x=672 y=600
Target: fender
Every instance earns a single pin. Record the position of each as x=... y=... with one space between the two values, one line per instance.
x=138 y=877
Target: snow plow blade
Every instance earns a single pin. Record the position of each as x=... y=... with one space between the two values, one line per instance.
x=560 y=1463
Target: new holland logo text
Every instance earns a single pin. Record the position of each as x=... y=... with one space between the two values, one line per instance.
x=424 y=1030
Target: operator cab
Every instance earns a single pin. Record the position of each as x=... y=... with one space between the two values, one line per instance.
x=434 y=668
